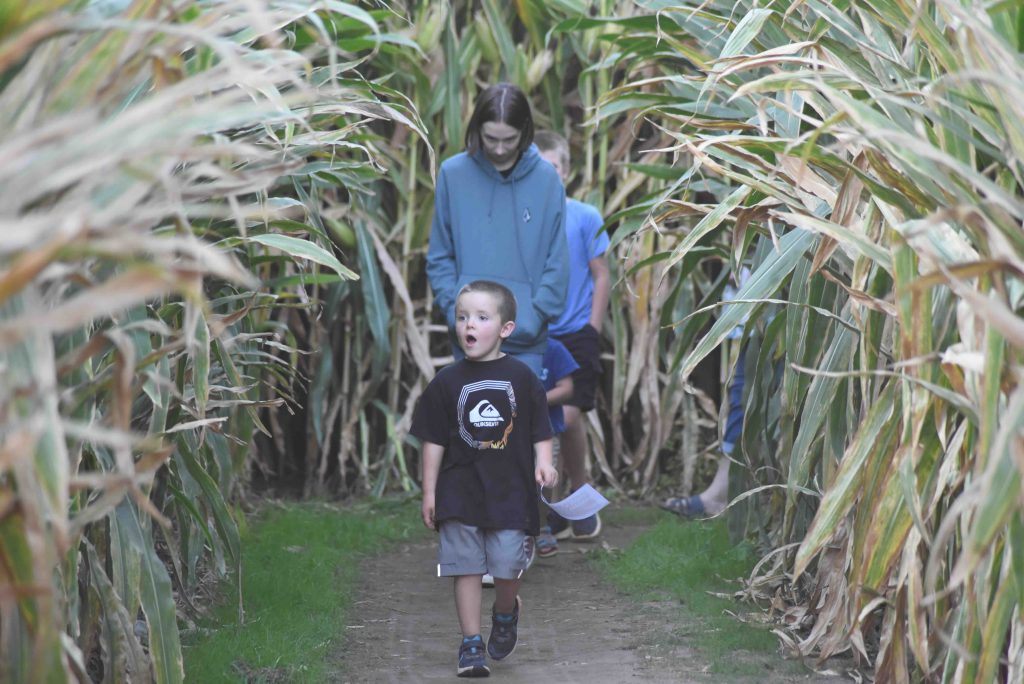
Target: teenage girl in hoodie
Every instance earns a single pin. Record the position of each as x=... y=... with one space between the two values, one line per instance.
x=499 y=215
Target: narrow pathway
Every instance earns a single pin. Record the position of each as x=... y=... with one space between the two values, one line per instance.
x=573 y=629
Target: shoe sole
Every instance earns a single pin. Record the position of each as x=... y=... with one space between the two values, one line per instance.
x=474 y=671
x=564 y=534
x=548 y=554
x=519 y=611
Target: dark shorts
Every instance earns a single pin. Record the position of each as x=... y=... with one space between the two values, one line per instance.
x=585 y=347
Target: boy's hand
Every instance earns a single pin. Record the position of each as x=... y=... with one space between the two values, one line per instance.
x=428 y=512
x=546 y=475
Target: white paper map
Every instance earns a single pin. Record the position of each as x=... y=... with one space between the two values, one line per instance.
x=583 y=503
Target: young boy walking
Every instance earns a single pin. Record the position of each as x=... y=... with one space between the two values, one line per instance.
x=578 y=328
x=486 y=447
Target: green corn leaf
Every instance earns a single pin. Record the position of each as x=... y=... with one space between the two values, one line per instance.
x=304 y=250
x=377 y=307
x=452 y=82
x=189 y=507
x=187 y=455
x=886 y=535
x=502 y=35
x=318 y=392
x=872 y=441
x=708 y=224
x=995 y=632
x=231 y=371
x=125 y=653
x=820 y=395
x=745 y=32
x=1016 y=553
x=155 y=594
x=766 y=280
x=201 y=364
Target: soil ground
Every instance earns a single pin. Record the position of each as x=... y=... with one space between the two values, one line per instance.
x=574 y=627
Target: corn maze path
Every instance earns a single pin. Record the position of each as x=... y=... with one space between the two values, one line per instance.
x=574 y=627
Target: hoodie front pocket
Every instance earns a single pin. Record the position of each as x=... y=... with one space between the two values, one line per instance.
x=528 y=322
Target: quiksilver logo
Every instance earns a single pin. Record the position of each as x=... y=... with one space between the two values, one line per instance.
x=526 y=215
x=485 y=415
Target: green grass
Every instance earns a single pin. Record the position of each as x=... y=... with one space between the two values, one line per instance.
x=684 y=561
x=289 y=629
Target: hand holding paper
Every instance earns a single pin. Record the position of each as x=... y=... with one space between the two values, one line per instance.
x=583 y=503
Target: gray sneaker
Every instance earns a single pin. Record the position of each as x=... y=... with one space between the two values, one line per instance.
x=504 y=632
x=472 y=660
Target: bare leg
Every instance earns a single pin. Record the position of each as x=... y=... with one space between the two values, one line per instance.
x=467 y=603
x=574 y=447
x=716 y=496
x=505 y=592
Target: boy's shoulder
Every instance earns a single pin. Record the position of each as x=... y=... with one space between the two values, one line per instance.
x=453 y=369
x=518 y=372
x=583 y=211
x=446 y=375
x=506 y=365
x=514 y=366
x=540 y=168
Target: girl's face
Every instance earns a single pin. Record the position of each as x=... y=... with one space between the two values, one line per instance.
x=501 y=144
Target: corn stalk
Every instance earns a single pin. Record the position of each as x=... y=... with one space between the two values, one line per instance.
x=869 y=157
x=158 y=168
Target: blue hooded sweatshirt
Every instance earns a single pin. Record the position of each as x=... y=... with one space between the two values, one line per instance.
x=510 y=229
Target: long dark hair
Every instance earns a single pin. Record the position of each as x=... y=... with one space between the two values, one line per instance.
x=504 y=103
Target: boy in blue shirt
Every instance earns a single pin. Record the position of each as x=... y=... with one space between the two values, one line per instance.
x=486 y=447
x=578 y=328
x=556 y=376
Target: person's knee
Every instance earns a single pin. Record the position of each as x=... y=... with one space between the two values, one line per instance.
x=573 y=418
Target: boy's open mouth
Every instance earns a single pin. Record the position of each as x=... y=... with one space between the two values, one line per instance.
x=470 y=339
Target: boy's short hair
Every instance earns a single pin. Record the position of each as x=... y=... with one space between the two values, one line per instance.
x=506 y=300
x=549 y=141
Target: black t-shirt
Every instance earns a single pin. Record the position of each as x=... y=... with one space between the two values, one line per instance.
x=487 y=415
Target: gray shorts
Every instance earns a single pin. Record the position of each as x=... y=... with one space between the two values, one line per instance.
x=469 y=550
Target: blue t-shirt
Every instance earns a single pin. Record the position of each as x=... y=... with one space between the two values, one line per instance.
x=583 y=232
x=558 y=363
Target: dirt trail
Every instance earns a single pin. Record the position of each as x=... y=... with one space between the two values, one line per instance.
x=574 y=628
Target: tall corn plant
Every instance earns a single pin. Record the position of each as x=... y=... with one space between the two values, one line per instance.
x=159 y=168
x=870 y=155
